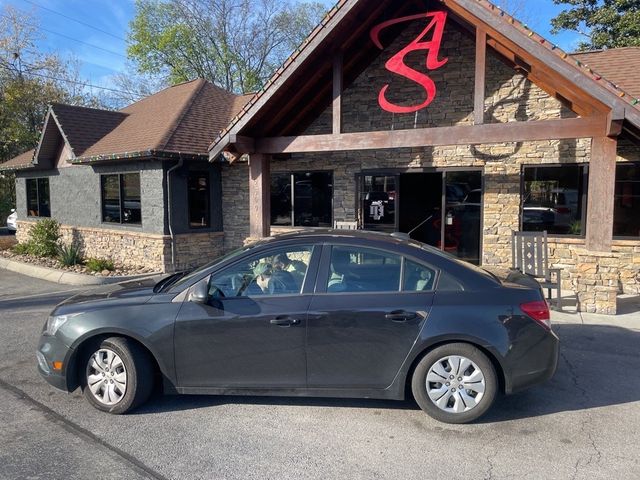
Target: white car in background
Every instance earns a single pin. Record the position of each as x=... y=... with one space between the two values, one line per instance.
x=12 y=221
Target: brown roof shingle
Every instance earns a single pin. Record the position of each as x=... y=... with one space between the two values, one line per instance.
x=17 y=163
x=618 y=65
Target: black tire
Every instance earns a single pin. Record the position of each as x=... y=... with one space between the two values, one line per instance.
x=419 y=383
x=139 y=377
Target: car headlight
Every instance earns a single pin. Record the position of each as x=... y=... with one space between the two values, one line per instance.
x=55 y=322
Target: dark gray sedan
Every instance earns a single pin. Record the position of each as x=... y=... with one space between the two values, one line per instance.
x=322 y=313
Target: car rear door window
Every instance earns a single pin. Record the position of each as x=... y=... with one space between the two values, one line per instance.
x=417 y=277
x=356 y=269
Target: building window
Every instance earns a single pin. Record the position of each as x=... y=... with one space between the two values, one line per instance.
x=38 y=197
x=302 y=199
x=121 y=198
x=626 y=221
x=198 y=186
x=554 y=199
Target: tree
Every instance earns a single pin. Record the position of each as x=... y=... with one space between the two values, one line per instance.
x=236 y=44
x=603 y=23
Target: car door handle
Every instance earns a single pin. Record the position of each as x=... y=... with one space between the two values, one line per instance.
x=284 y=321
x=400 y=316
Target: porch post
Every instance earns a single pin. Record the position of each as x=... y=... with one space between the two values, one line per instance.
x=259 y=195
x=602 y=184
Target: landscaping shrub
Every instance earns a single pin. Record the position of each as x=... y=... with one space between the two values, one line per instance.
x=69 y=255
x=21 y=248
x=43 y=238
x=99 y=264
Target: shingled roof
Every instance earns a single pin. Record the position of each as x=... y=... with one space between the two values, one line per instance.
x=20 y=162
x=619 y=65
x=183 y=119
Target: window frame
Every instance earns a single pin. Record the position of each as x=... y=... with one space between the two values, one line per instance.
x=208 y=210
x=583 y=200
x=120 y=195
x=26 y=191
x=324 y=271
x=291 y=174
x=613 y=219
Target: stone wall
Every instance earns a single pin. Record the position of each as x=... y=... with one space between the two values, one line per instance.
x=196 y=249
x=137 y=249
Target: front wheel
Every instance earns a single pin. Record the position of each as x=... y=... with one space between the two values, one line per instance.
x=116 y=375
x=455 y=383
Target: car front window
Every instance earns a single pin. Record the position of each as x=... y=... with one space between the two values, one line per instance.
x=278 y=272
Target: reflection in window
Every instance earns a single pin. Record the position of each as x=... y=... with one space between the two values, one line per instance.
x=626 y=221
x=303 y=199
x=198 y=185
x=553 y=199
x=355 y=269
x=378 y=199
x=38 y=197
x=121 y=198
x=417 y=278
x=281 y=272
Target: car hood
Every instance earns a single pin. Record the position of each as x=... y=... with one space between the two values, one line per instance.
x=125 y=293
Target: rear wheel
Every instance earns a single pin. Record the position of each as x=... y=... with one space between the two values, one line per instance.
x=455 y=383
x=116 y=375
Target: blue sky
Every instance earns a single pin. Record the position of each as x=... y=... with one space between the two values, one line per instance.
x=97 y=65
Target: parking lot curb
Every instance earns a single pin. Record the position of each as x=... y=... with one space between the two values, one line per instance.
x=65 y=278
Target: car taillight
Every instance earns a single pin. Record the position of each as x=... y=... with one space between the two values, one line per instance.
x=539 y=311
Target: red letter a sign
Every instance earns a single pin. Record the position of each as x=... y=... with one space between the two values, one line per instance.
x=396 y=63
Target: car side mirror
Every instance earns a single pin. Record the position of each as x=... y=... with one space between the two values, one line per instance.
x=200 y=291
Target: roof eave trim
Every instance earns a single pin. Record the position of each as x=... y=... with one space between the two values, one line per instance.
x=137 y=155
x=51 y=114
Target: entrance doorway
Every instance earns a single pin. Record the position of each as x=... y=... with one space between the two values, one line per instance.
x=439 y=208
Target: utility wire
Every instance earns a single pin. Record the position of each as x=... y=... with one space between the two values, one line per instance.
x=84 y=84
x=70 y=38
x=75 y=20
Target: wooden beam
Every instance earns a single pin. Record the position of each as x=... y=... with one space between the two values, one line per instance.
x=602 y=185
x=241 y=144
x=615 y=121
x=337 y=93
x=456 y=135
x=259 y=196
x=479 y=91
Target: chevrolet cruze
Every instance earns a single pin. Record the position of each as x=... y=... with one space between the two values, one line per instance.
x=320 y=313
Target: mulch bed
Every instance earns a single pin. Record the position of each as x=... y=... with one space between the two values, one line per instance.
x=119 y=271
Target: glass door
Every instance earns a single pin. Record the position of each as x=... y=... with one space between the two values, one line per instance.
x=378 y=202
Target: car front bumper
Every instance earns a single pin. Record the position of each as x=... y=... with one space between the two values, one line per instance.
x=55 y=360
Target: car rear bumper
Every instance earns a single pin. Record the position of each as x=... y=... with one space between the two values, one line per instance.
x=53 y=358
x=540 y=366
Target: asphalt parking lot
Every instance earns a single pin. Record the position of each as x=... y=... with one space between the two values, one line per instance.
x=583 y=424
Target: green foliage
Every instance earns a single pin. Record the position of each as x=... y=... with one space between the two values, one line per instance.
x=21 y=248
x=7 y=195
x=236 y=45
x=604 y=23
x=69 y=255
x=43 y=238
x=99 y=264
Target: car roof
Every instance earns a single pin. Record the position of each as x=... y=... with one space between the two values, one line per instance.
x=322 y=234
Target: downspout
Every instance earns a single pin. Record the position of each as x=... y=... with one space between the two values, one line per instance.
x=170 y=205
